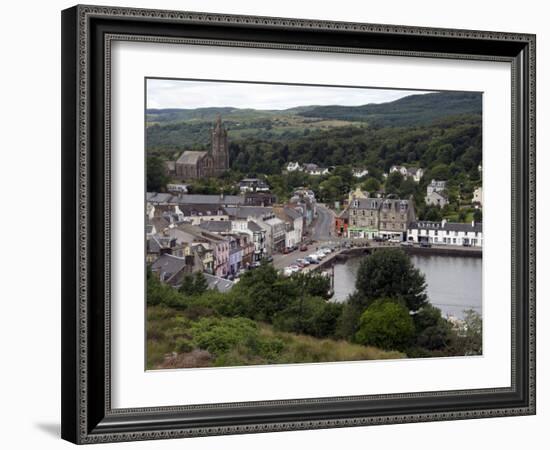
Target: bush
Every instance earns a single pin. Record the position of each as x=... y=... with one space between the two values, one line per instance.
x=432 y=330
x=220 y=335
x=386 y=324
x=309 y=315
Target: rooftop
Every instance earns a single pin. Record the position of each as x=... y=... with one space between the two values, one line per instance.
x=450 y=226
x=217 y=226
x=190 y=157
x=221 y=284
x=194 y=199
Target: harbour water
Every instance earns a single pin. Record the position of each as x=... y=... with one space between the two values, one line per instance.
x=454 y=283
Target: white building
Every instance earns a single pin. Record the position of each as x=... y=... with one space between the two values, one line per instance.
x=177 y=188
x=314 y=169
x=446 y=233
x=253 y=185
x=478 y=196
x=436 y=186
x=359 y=173
x=293 y=166
x=435 y=198
x=415 y=173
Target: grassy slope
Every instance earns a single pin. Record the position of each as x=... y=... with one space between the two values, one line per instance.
x=168 y=328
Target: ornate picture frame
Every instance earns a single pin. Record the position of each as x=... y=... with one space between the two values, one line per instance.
x=87 y=35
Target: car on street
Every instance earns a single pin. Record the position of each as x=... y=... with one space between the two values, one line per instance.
x=395 y=240
x=303 y=248
x=406 y=244
x=313 y=259
x=425 y=245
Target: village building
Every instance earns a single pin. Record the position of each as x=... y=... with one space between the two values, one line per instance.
x=192 y=165
x=363 y=214
x=341 y=223
x=478 y=196
x=436 y=186
x=197 y=214
x=415 y=173
x=177 y=188
x=158 y=245
x=436 y=199
x=259 y=199
x=170 y=269
x=359 y=172
x=395 y=217
x=253 y=185
x=294 y=224
x=293 y=166
x=446 y=233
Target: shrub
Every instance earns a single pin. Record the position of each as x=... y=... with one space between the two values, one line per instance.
x=386 y=324
x=219 y=335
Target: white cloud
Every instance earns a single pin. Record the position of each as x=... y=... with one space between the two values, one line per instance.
x=165 y=93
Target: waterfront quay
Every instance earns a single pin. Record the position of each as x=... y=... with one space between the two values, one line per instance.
x=364 y=248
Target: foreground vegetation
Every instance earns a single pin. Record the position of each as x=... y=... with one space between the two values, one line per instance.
x=269 y=319
x=177 y=339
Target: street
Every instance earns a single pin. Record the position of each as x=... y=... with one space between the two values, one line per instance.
x=323 y=225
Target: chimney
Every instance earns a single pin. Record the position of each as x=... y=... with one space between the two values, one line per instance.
x=443 y=223
x=473 y=223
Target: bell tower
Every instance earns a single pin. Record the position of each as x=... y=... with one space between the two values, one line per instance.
x=220 y=147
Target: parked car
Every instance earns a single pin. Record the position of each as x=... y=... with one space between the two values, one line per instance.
x=268 y=258
x=313 y=259
x=425 y=245
x=303 y=248
x=395 y=240
x=406 y=244
x=303 y=261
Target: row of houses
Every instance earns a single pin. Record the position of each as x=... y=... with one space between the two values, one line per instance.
x=387 y=218
x=446 y=233
x=222 y=235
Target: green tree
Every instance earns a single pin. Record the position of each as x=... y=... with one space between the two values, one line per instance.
x=473 y=331
x=386 y=324
x=433 y=332
x=370 y=185
x=478 y=215
x=200 y=285
x=187 y=286
x=313 y=284
x=389 y=273
x=156 y=174
x=393 y=183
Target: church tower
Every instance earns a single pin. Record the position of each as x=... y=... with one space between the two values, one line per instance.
x=220 y=147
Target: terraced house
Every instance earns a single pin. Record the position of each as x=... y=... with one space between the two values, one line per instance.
x=368 y=218
x=363 y=214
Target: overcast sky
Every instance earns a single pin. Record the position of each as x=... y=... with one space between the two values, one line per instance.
x=201 y=94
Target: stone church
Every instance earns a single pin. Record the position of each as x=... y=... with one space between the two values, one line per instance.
x=192 y=165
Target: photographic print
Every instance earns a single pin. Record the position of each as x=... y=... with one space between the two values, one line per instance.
x=310 y=224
